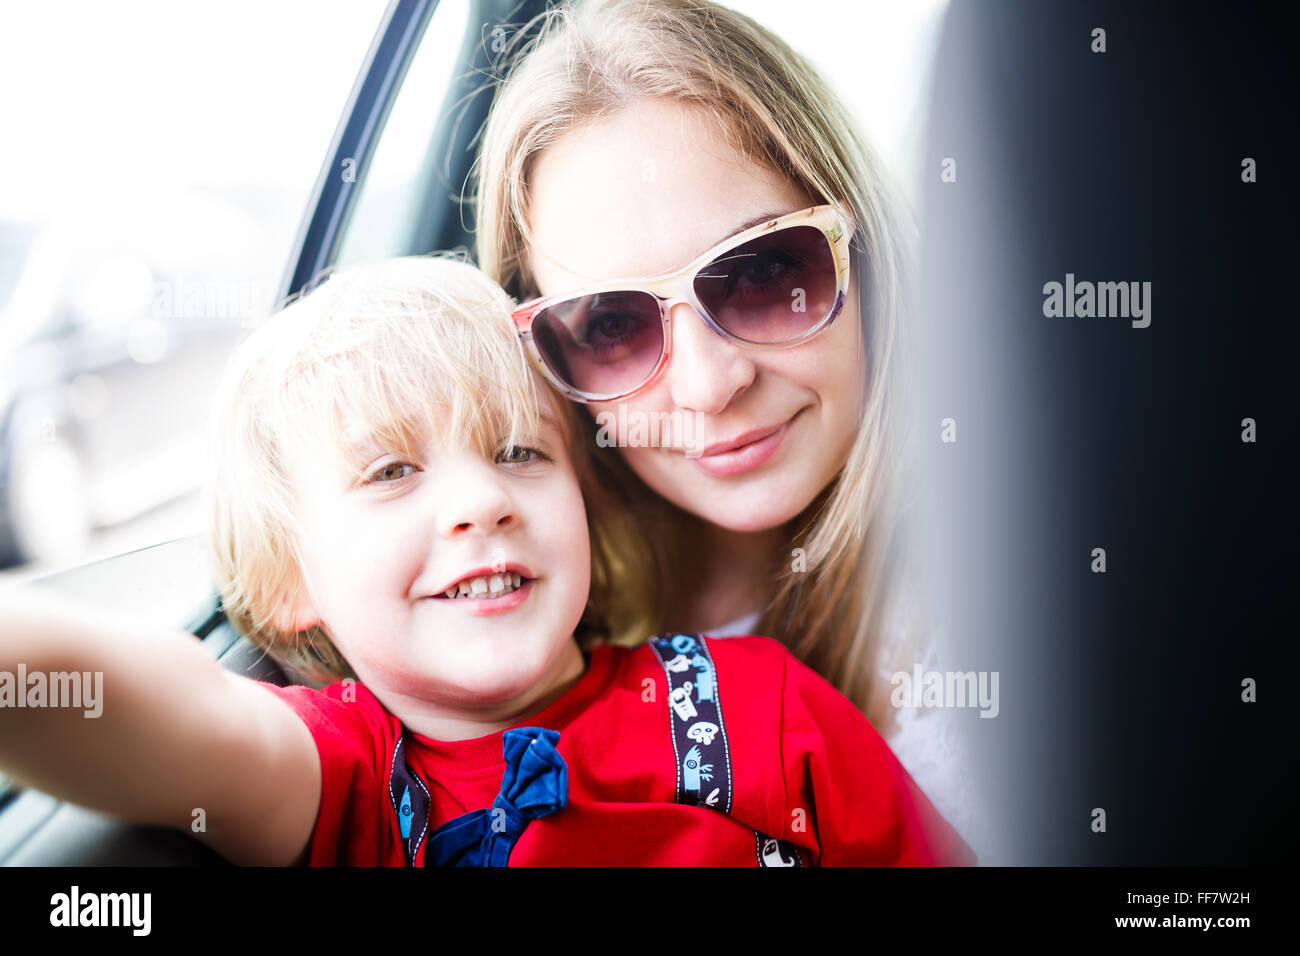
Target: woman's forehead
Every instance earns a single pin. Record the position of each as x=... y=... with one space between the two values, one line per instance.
x=643 y=192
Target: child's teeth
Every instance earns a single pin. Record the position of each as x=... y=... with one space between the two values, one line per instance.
x=487 y=586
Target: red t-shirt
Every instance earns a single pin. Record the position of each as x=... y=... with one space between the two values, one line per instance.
x=807 y=767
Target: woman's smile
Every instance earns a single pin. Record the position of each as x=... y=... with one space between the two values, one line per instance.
x=749 y=451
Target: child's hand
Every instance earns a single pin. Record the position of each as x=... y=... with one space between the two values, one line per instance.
x=159 y=733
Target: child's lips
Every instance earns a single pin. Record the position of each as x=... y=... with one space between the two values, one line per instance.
x=486 y=604
x=498 y=569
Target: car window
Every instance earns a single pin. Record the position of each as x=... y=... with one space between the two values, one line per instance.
x=158 y=161
x=407 y=162
x=15 y=243
x=878 y=57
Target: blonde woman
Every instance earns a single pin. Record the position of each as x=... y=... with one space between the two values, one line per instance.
x=711 y=260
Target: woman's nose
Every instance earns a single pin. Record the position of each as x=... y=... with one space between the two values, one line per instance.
x=473 y=501
x=706 y=371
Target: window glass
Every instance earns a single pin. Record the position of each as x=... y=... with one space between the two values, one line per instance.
x=158 y=159
x=398 y=173
x=878 y=57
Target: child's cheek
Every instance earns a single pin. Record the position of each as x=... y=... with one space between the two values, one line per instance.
x=569 y=536
x=393 y=539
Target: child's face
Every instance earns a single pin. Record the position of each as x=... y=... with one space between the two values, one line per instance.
x=381 y=549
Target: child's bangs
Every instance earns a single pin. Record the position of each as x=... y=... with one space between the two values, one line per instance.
x=444 y=373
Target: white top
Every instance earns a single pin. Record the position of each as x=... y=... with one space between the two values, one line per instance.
x=926 y=743
x=737 y=628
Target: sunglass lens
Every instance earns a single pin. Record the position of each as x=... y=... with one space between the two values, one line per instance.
x=604 y=344
x=771 y=289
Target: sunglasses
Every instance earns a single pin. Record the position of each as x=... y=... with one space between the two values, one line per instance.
x=773 y=286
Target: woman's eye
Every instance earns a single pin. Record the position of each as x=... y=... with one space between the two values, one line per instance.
x=610 y=325
x=391 y=472
x=761 y=269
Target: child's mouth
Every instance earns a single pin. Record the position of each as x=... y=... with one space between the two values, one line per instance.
x=485 y=587
x=512 y=590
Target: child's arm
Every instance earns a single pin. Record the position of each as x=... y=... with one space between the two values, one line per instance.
x=176 y=732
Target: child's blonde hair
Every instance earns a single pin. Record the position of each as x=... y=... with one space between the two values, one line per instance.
x=579 y=62
x=401 y=350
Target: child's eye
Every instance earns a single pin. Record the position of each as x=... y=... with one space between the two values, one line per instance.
x=391 y=472
x=521 y=455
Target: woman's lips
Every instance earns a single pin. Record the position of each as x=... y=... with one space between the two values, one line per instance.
x=749 y=453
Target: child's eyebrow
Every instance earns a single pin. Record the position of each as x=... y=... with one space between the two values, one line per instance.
x=360 y=446
x=360 y=454
x=558 y=425
x=363 y=448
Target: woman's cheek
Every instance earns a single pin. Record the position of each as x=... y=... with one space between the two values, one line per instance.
x=608 y=422
x=648 y=419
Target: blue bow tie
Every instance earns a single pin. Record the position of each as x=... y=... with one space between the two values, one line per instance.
x=535 y=784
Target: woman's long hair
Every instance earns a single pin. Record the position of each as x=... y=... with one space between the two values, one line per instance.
x=579 y=62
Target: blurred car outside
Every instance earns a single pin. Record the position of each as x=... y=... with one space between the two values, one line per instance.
x=114 y=325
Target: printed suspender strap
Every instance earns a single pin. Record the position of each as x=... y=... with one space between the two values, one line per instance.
x=410 y=799
x=699 y=736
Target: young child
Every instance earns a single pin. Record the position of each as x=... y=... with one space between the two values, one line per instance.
x=395 y=510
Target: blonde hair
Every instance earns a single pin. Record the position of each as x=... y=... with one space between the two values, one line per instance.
x=395 y=349
x=580 y=62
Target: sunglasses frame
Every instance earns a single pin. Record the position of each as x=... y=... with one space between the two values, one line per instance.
x=671 y=288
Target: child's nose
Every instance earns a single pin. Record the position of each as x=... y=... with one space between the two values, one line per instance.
x=480 y=506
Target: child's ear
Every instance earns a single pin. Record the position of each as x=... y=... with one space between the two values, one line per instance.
x=296 y=613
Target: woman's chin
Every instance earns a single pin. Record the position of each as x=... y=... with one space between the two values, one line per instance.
x=751 y=521
x=759 y=504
